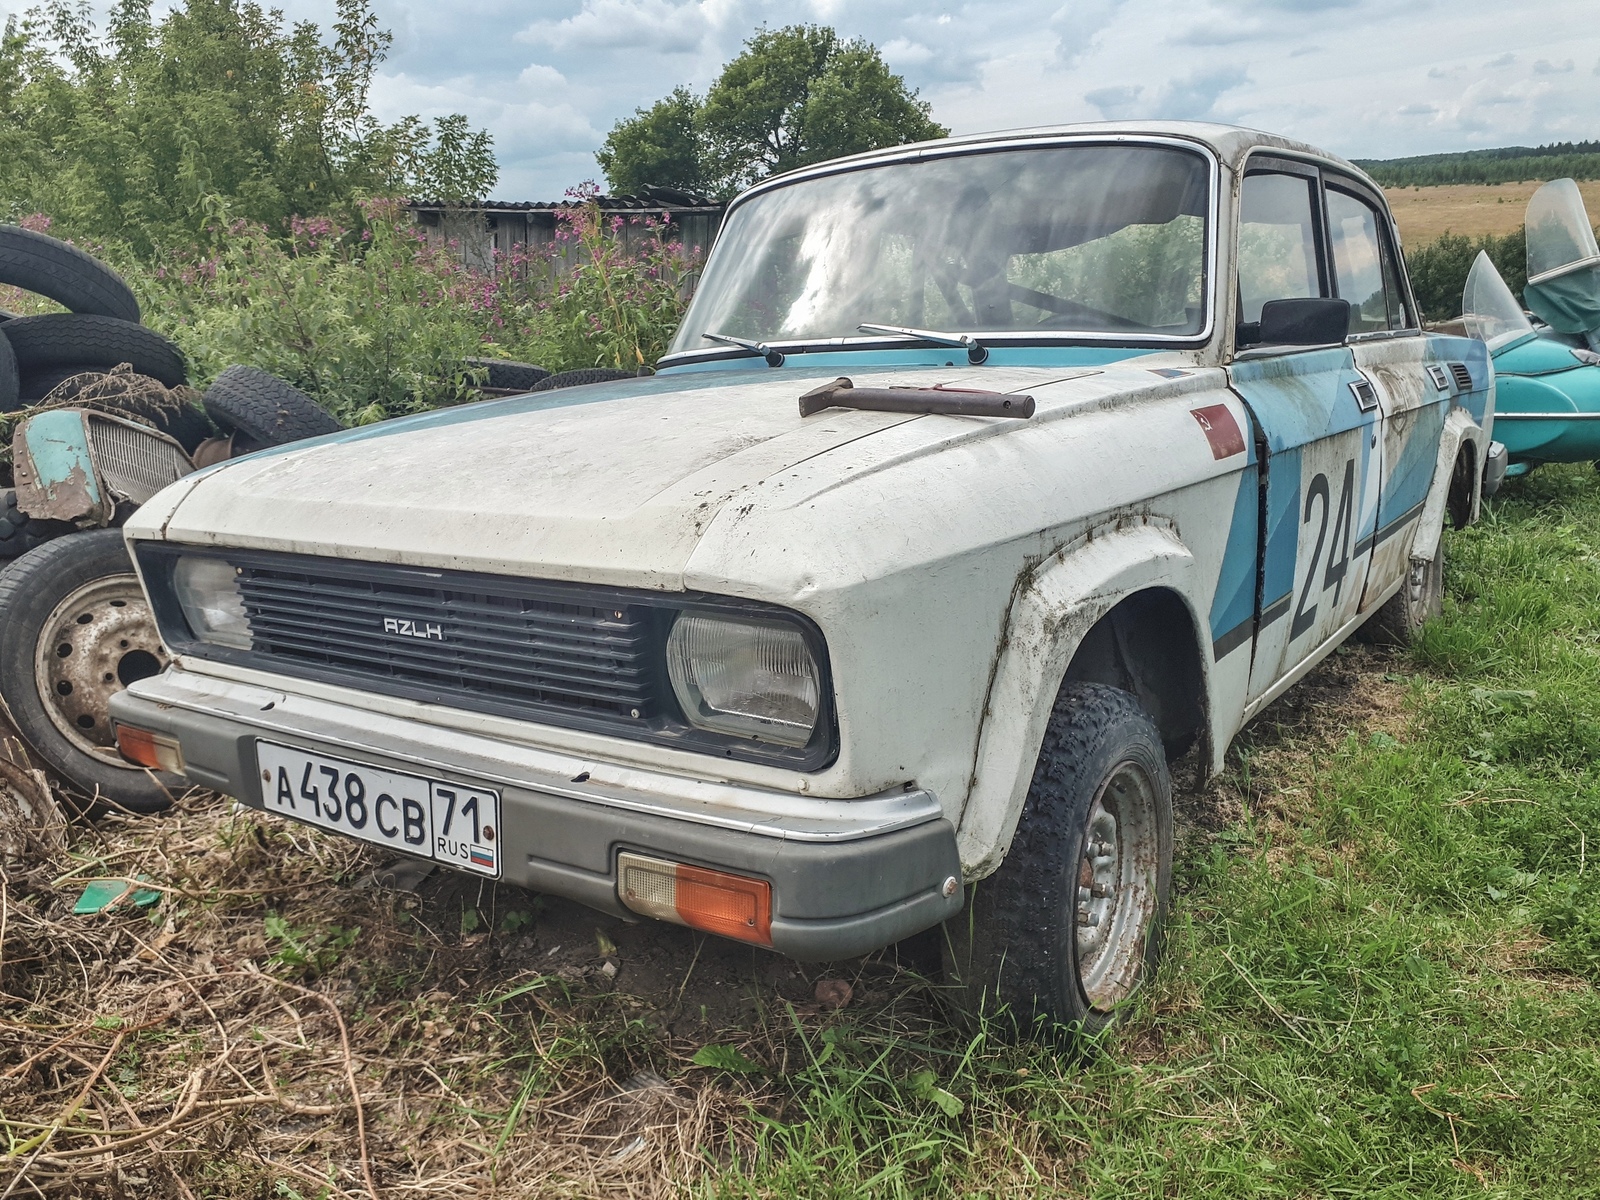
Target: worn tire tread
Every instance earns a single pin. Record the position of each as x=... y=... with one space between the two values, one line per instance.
x=49 y=267
x=1009 y=908
x=74 y=339
x=267 y=410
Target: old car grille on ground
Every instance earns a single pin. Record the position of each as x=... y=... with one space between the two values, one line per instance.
x=136 y=462
x=464 y=641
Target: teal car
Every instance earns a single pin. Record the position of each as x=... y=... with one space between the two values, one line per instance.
x=1547 y=370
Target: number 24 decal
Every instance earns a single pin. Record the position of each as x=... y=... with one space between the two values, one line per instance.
x=1305 y=613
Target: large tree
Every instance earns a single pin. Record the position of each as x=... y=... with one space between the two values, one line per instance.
x=793 y=97
x=144 y=132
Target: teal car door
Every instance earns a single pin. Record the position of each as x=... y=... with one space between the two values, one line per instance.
x=1416 y=383
x=1316 y=421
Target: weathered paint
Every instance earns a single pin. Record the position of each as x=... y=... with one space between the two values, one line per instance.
x=54 y=469
x=954 y=564
x=1321 y=495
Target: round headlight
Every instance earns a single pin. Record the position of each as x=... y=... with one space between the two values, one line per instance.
x=745 y=676
x=208 y=592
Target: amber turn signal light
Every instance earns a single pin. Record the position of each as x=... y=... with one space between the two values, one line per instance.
x=153 y=750
x=734 y=906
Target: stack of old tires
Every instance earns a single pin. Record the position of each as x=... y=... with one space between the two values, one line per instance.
x=75 y=627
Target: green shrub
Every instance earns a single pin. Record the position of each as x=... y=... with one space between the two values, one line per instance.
x=377 y=322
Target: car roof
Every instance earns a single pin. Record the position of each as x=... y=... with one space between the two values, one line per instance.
x=1230 y=143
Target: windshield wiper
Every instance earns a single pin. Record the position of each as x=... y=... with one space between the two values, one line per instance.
x=774 y=357
x=976 y=352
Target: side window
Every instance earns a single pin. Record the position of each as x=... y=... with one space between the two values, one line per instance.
x=1277 y=242
x=1364 y=270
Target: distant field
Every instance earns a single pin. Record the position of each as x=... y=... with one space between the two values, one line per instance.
x=1423 y=213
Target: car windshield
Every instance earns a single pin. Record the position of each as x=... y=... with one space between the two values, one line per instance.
x=1050 y=241
x=1490 y=311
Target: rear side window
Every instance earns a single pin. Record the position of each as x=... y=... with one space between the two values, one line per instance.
x=1363 y=268
x=1277 y=242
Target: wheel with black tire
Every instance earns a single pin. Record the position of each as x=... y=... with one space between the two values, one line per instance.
x=505 y=374
x=37 y=262
x=93 y=342
x=578 y=378
x=1399 y=621
x=1068 y=929
x=75 y=629
x=20 y=533
x=268 y=411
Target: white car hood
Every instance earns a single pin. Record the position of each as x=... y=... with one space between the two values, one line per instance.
x=613 y=483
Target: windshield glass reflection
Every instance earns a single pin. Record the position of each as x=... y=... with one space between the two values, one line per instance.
x=1057 y=240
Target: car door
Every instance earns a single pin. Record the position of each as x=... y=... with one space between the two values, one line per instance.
x=1316 y=427
x=1394 y=357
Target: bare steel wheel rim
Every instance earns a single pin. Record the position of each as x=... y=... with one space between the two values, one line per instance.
x=1421 y=590
x=98 y=640
x=1116 y=896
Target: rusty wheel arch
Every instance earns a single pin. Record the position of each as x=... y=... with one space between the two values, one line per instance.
x=1147 y=645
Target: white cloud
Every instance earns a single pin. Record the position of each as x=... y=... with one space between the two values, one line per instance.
x=1363 y=78
x=659 y=25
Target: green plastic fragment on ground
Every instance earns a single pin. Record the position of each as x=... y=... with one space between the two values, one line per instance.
x=102 y=894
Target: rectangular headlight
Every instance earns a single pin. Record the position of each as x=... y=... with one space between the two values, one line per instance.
x=207 y=590
x=745 y=676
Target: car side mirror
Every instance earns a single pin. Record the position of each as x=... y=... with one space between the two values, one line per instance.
x=1309 y=321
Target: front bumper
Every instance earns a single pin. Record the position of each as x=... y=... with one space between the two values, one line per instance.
x=847 y=876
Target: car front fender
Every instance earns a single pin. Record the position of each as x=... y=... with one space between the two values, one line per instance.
x=1459 y=429
x=1054 y=604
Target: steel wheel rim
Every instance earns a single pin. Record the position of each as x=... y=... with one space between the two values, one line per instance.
x=1420 y=590
x=98 y=640
x=1116 y=886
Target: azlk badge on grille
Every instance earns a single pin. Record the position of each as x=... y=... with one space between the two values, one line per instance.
x=416 y=629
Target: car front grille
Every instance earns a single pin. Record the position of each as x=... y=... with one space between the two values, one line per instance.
x=473 y=641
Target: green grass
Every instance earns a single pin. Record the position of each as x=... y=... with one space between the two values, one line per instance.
x=1381 y=968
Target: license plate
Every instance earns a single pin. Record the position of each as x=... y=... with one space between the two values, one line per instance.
x=457 y=824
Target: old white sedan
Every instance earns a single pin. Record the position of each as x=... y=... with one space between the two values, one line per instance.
x=985 y=479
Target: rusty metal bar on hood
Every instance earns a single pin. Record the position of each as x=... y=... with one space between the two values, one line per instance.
x=964 y=402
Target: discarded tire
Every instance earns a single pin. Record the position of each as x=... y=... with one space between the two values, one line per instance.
x=502 y=373
x=10 y=383
x=268 y=411
x=37 y=262
x=578 y=378
x=36 y=385
x=75 y=629
x=73 y=339
x=20 y=533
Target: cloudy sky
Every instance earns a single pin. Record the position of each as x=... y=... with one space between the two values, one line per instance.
x=1364 y=78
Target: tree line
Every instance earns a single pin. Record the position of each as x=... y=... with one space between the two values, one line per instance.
x=137 y=133
x=1508 y=164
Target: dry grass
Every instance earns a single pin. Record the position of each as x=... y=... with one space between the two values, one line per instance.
x=1423 y=213
x=180 y=1050
x=187 y=1050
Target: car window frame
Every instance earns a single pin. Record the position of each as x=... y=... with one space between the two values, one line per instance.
x=1268 y=164
x=1212 y=268
x=1388 y=244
